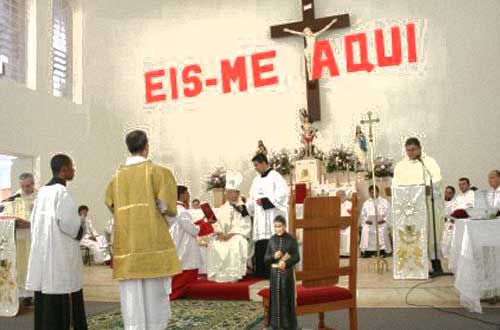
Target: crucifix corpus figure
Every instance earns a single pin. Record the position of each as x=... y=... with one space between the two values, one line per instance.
x=308 y=25
x=310 y=41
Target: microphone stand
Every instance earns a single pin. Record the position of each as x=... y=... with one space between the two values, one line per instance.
x=437 y=269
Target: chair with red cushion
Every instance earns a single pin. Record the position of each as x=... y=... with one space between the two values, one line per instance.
x=319 y=292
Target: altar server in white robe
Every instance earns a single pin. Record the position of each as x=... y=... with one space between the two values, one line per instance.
x=96 y=242
x=345 y=234
x=228 y=252
x=369 y=218
x=494 y=191
x=418 y=169
x=465 y=197
x=450 y=204
x=55 y=262
x=185 y=231
x=268 y=199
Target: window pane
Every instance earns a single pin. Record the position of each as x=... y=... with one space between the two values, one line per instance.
x=13 y=39
x=61 y=50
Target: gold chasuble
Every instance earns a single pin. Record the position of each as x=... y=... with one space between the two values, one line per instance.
x=143 y=247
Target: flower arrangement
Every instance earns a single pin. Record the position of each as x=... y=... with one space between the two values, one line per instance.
x=301 y=153
x=384 y=167
x=341 y=159
x=216 y=179
x=281 y=161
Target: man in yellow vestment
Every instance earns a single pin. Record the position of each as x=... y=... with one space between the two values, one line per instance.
x=145 y=258
x=20 y=205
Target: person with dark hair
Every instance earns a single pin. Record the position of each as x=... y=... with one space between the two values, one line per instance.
x=415 y=169
x=282 y=255
x=196 y=204
x=20 y=205
x=55 y=271
x=94 y=241
x=450 y=203
x=369 y=218
x=268 y=199
x=493 y=196
x=466 y=197
x=185 y=231
x=139 y=195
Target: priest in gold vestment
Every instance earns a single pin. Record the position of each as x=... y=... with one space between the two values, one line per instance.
x=145 y=258
x=20 y=205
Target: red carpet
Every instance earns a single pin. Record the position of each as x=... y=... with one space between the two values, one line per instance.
x=205 y=289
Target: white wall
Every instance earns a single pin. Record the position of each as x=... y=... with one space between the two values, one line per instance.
x=452 y=96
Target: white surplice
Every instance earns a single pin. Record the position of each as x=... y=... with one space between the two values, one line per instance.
x=145 y=303
x=97 y=243
x=55 y=263
x=494 y=197
x=411 y=172
x=272 y=186
x=197 y=214
x=185 y=236
x=345 y=234
x=465 y=200
x=369 y=232
x=227 y=260
x=449 y=228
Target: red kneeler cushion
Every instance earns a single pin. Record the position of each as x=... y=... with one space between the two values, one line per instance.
x=318 y=295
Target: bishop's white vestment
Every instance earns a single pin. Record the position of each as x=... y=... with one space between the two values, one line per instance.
x=185 y=236
x=227 y=260
x=369 y=231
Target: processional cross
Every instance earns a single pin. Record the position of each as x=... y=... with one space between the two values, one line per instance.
x=380 y=263
x=309 y=28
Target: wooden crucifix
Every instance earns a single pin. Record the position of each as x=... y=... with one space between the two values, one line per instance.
x=309 y=28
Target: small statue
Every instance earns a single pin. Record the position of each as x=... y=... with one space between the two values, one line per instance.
x=261 y=149
x=308 y=133
x=360 y=147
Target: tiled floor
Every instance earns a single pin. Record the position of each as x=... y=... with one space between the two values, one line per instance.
x=374 y=290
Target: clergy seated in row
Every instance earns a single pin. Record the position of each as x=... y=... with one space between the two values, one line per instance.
x=345 y=234
x=185 y=231
x=494 y=190
x=465 y=197
x=448 y=231
x=369 y=220
x=96 y=243
x=228 y=251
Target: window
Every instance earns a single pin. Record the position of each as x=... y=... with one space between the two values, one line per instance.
x=13 y=40
x=62 y=49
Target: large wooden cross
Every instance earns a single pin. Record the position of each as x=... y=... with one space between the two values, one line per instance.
x=315 y=24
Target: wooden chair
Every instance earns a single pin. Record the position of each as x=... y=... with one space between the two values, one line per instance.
x=319 y=292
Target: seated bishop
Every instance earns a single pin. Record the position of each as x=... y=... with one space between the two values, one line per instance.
x=228 y=253
x=375 y=210
x=185 y=231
